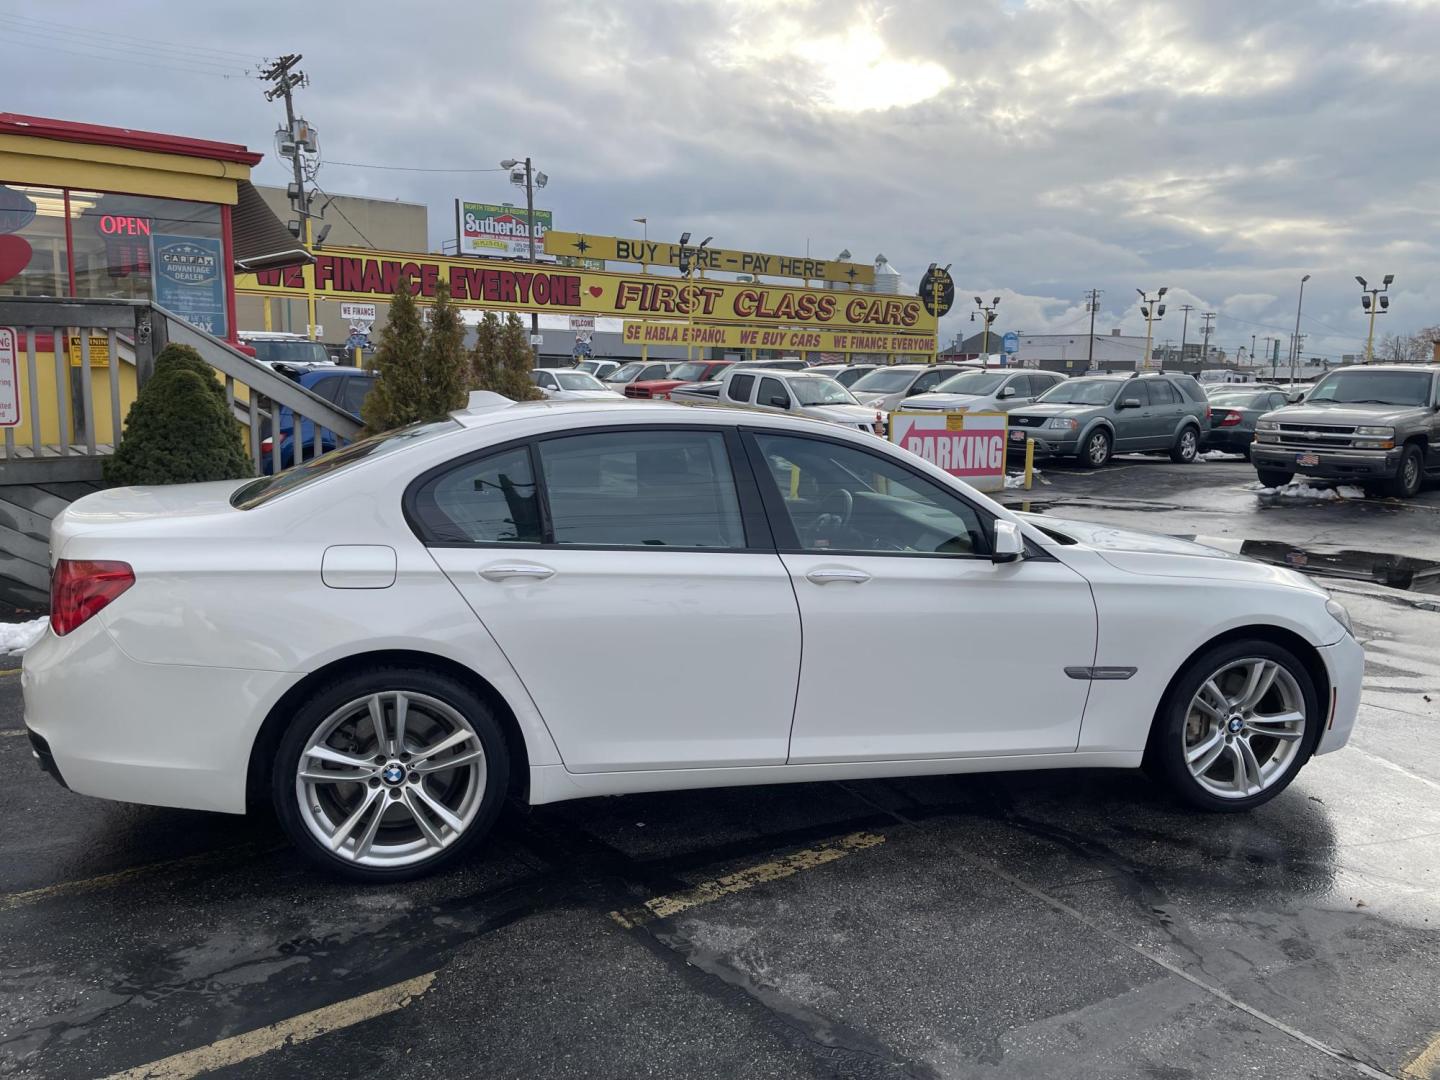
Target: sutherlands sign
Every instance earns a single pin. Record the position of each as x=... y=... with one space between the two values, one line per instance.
x=487 y=229
x=654 y=253
x=358 y=274
x=746 y=337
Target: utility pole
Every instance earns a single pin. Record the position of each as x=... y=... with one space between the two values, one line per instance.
x=1272 y=346
x=1209 y=317
x=1184 y=328
x=286 y=80
x=1092 y=302
x=1252 y=350
x=1295 y=341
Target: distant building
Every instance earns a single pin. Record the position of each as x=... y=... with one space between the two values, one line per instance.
x=1074 y=353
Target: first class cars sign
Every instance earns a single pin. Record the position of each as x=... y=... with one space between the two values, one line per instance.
x=361 y=274
x=970 y=446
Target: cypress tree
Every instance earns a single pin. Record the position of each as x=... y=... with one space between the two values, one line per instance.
x=443 y=361
x=179 y=429
x=396 y=398
x=502 y=359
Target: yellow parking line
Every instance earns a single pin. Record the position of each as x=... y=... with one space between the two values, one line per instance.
x=10 y=901
x=661 y=907
x=297 y=1029
x=1423 y=1065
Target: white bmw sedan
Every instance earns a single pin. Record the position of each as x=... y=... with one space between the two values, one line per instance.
x=366 y=640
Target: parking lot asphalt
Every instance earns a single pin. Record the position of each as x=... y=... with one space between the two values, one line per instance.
x=1022 y=925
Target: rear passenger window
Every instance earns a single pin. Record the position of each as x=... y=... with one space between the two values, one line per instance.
x=738 y=388
x=1162 y=393
x=642 y=489
x=489 y=500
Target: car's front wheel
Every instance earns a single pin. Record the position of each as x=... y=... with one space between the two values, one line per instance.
x=1406 y=482
x=1236 y=726
x=1186 y=447
x=1096 y=449
x=390 y=774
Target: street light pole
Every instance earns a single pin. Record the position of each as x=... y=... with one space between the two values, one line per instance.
x=1295 y=343
x=988 y=315
x=1376 y=303
x=1153 y=310
x=532 y=181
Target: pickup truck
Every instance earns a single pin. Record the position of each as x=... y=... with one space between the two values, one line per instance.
x=1376 y=425
x=799 y=393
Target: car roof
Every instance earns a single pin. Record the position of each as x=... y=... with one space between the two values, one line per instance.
x=498 y=410
x=1427 y=368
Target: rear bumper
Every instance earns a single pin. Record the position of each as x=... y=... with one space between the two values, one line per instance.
x=1226 y=439
x=1332 y=464
x=159 y=734
x=1345 y=665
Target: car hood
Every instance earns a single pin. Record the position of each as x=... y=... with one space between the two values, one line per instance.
x=1044 y=408
x=1347 y=414
x=844 y=414
x=872 y=397
x=1151 y=554
x=944 y=401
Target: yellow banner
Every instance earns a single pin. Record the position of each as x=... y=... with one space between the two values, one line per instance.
x=655 y=253
x=99 y=351
x=364 y=275
x=755 y=337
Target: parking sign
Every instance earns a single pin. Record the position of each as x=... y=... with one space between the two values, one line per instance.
x=9 y=379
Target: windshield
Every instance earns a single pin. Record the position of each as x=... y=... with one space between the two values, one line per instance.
x=971 y=382
x=820 y=390
x=577 y=380
x=266 y=488
x=688 y=372
x=289 y=352
x=885 y=380
x=1359 y=387
x=624 y=373
x=1081 y=392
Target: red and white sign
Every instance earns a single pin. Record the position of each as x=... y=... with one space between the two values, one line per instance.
x=9 y=379
x=970 y=446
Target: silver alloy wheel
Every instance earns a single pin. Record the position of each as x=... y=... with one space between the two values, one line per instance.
x=1098 y=448
x=1411 y=475
x=1189 y=443
x=391 y=779
x=1244 y=727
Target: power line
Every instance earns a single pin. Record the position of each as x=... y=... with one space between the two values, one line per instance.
x=106 y=37
x=134 y=61
x=406 y=168
x=341 y=211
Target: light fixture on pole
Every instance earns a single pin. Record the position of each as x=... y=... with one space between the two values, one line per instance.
x=1376 y=303
x=987 y=314
x=1153 y=310
x=529 y=179
x=690 y=259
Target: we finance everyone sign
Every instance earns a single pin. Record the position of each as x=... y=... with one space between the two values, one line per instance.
x=970 y=446
x=361 y=274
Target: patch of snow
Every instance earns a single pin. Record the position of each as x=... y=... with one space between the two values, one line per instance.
x=1217 y=455
x=1300 y=489
x=1256 y=485
x=1017 y=480
x=15 y=638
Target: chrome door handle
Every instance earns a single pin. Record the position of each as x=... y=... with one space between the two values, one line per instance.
x=501 y=571
x=825 y=576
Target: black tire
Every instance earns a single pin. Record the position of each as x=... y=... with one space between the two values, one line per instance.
x=1409 y=476
x=1095 y=453
x=1187 y=446
x=483 y=806
x=1274 y=477
x=1245 y=453
x=1166 y=752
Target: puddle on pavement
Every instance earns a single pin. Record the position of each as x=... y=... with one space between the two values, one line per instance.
x=1394 y=571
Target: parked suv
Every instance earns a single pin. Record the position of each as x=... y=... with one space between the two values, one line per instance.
x=1375 y=425
x=886 y=387
x=985 y=391
x=1094 y=416
x=798 y=393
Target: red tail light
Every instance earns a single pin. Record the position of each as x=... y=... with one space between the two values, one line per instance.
x=266 y=445
x=1207 y=412
x=79 y=588
x=1230 y=419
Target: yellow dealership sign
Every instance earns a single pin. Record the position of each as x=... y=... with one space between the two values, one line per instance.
x=363 y=275
x=655 y=253
x=754 y=337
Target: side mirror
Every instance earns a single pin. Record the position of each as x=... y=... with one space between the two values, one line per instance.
x=779 y=401
x=1130 y=403
x=1295 y=399
x=1008 y=392
x=1009 y=544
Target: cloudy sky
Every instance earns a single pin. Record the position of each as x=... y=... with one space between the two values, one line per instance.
x=1044 y=147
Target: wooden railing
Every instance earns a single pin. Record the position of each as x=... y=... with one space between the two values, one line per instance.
x=80 y=363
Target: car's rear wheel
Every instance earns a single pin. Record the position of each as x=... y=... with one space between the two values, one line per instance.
x=1274 y=477
x=1187 y=445
x=1405 y=484
x=391 y=774
x=1236 y=727
x=1096 y=450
